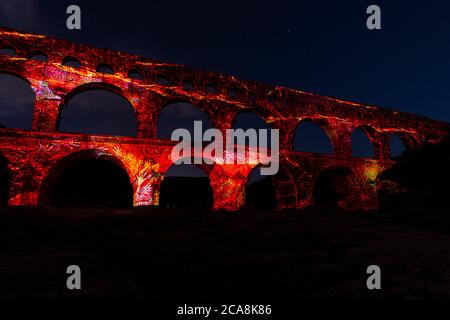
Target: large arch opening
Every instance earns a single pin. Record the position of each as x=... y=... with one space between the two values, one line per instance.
x=71 y=62
x=92 y=110
x=17 y=100
x=87 y=179
x=310 y=137
x=180 y=115
x=396 y=146
x=362 y=147
x=186 y=186
x=246 y=120
x=334 y=187
x=5 y=181
x=260 y=191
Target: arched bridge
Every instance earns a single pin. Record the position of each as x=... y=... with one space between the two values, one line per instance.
x=35 y=158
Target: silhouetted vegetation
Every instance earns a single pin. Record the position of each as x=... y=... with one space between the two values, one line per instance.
x=419 y=179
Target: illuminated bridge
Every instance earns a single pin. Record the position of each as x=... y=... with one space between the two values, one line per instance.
x=34 y=160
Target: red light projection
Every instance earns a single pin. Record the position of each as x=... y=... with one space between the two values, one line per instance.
x=34 y=157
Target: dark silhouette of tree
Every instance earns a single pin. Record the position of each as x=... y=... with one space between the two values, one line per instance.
x=419 y=179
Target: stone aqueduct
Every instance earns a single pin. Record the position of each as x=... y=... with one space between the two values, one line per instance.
x=35 y=157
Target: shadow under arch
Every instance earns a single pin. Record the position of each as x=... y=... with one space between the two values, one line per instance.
x=325 y=145
x=260 y=191
x=87 y=178
x=18 y=97
x=5 y=181
x=186 y=186
x=110 y=111
x=334 y=186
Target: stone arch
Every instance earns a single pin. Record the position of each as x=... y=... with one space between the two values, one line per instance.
x=38 y=55
x=251 y=118
x=181 y=113
x=335 y=186
x=95 y=86
x=186 y=186
x=237 y=91
x=325 y=145
x=104 y=68
x=66 y=180
x=163 y=80
x=410 y=141
x=286 y=187
x=194 y=161
x=396 y=145
x=363 y=142
x=91 y=119
x=20 y=112
x=135 y=73
x=261 y=112
x=72 y=62
x=8 y=50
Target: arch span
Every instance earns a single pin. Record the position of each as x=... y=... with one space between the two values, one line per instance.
x=186 y=186
x=98 y=109
x=396 y=146
x=334 y=187
x=17 y=101
x=178 y=114
x=251 y=119
x=88 y=178
x=310 y=136
x=362 y=143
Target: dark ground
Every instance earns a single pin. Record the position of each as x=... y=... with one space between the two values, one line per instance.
x=203 y=256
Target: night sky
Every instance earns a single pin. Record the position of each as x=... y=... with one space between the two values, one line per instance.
x=318 y=46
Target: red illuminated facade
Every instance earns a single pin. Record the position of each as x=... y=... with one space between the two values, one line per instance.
x=37 y=156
